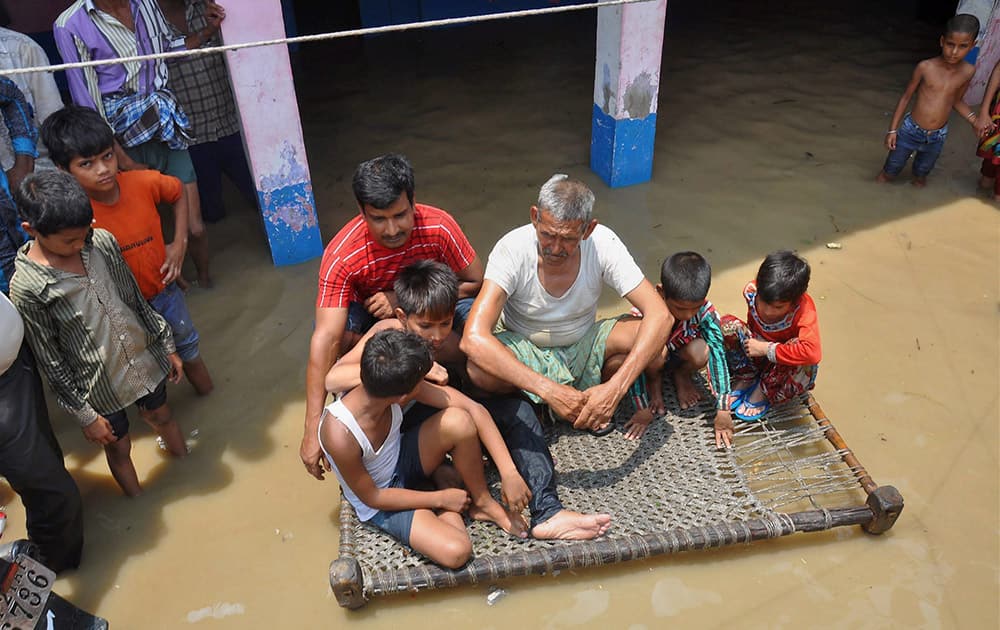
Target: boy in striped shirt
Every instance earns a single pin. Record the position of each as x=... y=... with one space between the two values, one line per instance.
x=695 y=342
x=99 y=343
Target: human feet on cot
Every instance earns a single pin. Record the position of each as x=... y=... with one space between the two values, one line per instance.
x=687 y=394
x=490 y=511
x=754 y=406
x=570 y=525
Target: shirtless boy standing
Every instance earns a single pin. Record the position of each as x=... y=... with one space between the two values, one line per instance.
x=940 y=83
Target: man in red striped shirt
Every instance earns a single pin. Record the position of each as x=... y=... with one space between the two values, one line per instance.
x=359 y=267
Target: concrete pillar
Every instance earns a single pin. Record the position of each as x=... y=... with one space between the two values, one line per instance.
x=272 y=133
x=626 y=86
x=989 y=55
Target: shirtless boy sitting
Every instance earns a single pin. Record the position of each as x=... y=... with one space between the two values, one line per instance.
x=940 y=83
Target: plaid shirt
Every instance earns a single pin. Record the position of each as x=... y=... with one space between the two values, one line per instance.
x=85 y=33
x=202 y=84
x=99 y=343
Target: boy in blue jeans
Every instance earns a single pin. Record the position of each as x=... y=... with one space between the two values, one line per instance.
x=99 y=343
x=939 y=84
x=125 y=204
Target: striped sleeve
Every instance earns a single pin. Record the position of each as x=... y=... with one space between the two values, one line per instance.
x=456 y=249
x=84 y=87
x=41 y=330
x=718 y=370
x=18 y=118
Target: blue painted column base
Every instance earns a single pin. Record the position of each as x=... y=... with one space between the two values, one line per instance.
x=621 y=151
x=290 y=223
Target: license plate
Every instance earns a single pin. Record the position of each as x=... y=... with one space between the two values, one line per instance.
x=26 y=588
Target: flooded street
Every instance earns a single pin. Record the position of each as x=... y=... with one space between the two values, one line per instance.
x=769 y=136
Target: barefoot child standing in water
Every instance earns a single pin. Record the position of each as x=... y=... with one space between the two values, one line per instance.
x=939 y=83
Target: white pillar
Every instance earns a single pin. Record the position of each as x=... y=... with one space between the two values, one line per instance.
x=626 y=88
x=272 y=132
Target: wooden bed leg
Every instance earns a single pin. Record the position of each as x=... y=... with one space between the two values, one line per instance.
x=346 y=582
x=885 y=503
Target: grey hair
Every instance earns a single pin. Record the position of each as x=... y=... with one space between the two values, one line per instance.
x=566 y=199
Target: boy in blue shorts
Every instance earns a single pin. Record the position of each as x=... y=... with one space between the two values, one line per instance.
x=99 y=343
x=695 y=342
x=125 y=204
x=384 y=471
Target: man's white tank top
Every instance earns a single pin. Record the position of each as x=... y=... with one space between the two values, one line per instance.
x=380 y=464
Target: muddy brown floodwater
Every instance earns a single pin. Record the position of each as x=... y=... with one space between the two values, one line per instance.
x=769 y=136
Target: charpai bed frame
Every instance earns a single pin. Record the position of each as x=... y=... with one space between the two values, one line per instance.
x=670 y=491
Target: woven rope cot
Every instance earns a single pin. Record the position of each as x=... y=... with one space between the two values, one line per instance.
x=670 y=491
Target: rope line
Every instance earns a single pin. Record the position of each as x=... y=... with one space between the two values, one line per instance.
x=374 y=30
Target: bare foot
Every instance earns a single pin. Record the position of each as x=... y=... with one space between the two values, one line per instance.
x=492 y=512
x=883 y=178
x=687 y=394
x=205 y=281
x=919 y=182
x=569 y=525
x=986 y=182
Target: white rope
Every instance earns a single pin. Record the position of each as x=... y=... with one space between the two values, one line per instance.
x=392 y=28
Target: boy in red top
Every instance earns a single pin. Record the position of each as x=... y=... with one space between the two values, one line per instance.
x=775 y=355
x=125 y=204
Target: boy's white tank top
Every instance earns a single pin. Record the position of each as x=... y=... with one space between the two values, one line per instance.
x=380 y=464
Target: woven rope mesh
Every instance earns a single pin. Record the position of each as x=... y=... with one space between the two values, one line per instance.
x=674 y=477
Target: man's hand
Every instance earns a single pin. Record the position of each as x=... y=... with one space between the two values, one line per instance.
x=755 y=347
x=382 y=305
x=176 y=368
x=566 y=402
x=24 y=165
x=514 y=492
x=723 y=428
x=171 y=267
x=437 y=375
x=453 y=500
x=600 y=406
x=99 y=432
x=636 y=427
x=312 y=456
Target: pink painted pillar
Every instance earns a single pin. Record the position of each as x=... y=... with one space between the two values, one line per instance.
x=272 y=132
x=626 y=88
x=989 y=55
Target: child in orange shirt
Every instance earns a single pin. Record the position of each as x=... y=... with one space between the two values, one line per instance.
x=125 y=204
x=775 y=355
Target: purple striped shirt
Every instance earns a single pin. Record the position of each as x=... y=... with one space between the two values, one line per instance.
x=85 y=33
